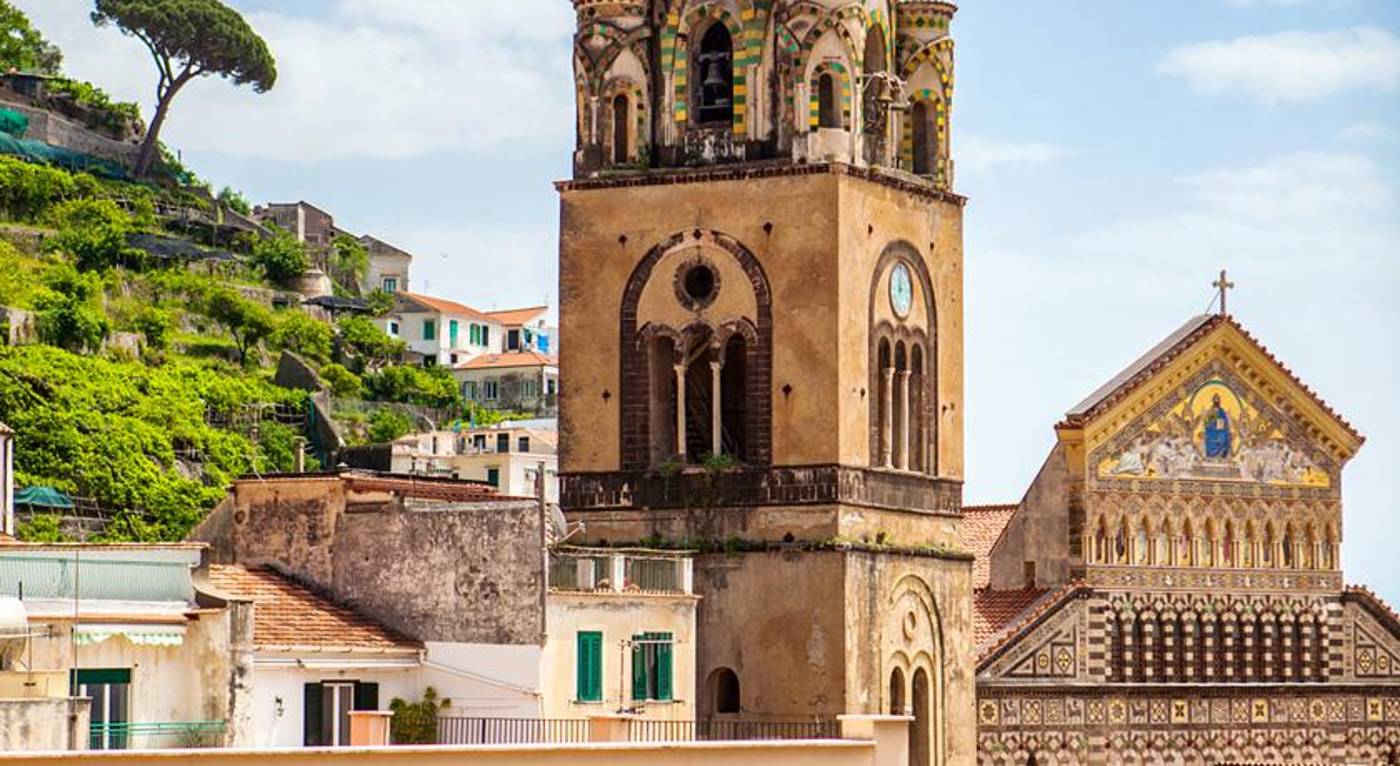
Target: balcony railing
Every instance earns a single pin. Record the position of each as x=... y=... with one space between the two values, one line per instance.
x=591 y=570
x=156 y=735
x=521 y=731
x=728 y=730
x=510 y=731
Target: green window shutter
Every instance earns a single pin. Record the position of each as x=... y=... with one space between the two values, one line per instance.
x=590 y=666
x=663 y=667
x=639 y=669
x=428 y=329
x=102 y=676
x=311 y=715
x=452 y=332
x=366 y=696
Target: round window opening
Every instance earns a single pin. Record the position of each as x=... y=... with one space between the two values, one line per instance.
x=699 y=283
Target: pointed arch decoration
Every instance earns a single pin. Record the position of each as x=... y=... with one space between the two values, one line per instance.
x=843 y=81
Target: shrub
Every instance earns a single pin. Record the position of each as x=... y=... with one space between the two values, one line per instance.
x=234 y=200
x=69 y=312
x=154 y=325
x=42 y=528
x=388 y=424
x=27 y=190
x=303 y=335
x=94 y=231
x=351 y=259
x=341 y=381
x=280 y=257
x=362 y=338
x=432 y=387
x=415 y=723
x=247 y=322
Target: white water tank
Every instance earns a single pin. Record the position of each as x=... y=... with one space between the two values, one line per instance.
x=14 y=627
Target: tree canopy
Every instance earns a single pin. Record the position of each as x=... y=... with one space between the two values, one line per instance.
x=22 y=47
x=189 y=39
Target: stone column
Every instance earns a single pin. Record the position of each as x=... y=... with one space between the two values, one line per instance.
x=886 y=416
x=680 y=411
x=903 y=419
x=716 y=421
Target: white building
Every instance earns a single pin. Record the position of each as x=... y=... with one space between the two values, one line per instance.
x=439 y=331
x=507 y=456
x=516 y=381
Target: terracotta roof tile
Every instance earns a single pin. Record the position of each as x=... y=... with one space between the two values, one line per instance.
x=1169 y=349
x=982 y=526
x=445 y=306
x=509 y=359
x=994 y=610
x=1009 y=613
x=517 y=316
x=287 y=614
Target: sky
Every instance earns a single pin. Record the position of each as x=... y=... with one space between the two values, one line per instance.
x=1116 y=155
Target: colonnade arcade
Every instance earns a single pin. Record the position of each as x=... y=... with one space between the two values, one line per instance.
x=1188 y=542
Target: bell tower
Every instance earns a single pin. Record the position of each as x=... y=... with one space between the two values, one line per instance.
x=761 y=296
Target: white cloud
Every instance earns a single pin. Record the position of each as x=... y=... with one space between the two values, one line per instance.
x=1370 y=131
x=1256 y=3
x=979 y=152
x=1295 y=219
x=371 y=78
x=1290 y=66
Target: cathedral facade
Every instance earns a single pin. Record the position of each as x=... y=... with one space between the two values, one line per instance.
x=761 y=247
x=1169 y=590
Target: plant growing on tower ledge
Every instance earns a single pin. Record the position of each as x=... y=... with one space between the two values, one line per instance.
x=188 y=39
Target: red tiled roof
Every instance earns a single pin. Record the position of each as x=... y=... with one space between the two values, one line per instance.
x=1009 y=613
x=509 y=359
x=1168 y=350
x=443 y=305
x=982 y=526
x=994 y=610
x=289 y=615
x=517 y=316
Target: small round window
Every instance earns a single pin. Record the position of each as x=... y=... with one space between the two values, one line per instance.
x=697 y=284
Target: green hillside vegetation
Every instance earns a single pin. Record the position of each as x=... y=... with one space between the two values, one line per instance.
x=146 y=388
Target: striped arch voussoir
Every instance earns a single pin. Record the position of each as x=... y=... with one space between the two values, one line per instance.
x=677 y=54
x=834 y=21
x=814 y=97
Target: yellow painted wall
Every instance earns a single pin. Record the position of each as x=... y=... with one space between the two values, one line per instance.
x=619 y=616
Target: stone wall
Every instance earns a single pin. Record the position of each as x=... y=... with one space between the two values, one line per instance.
x=57 y=131
x=44 y=724
x=435 y=570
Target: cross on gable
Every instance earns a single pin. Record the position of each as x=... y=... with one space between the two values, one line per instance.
x=1224 y=285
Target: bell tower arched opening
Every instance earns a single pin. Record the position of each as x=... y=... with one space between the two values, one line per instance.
x=714 y=90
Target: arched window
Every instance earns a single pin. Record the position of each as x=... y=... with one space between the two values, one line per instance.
x=925 y=138
x=1120 y=545
x=919 y=729
x=918 y=440
x=828 y=109
x=1211 y=553
x=1288 y=549
x=901 y=408
x=724 y=690
x=885 y=404
x=1230 y=543
x=734 y=382
x=1140 y=546
x=897 y=692
x=622 y=151
x=715 y=76
x=662 y=415
x=1267 y=545
x=1248 y=544
x=1100 y=552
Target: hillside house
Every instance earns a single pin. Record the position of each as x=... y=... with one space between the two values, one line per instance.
x=439 y=331
x=519 y=381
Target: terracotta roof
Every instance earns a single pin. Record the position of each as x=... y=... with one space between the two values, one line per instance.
x=994 y=610
x=1378 y=607
x=288 y=615
x=445 y=306
x=509 y=359
x=982 y=526
x=1009 y=613
x=1173 y=346
x=517 y=316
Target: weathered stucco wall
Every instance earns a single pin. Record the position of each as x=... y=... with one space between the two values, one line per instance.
x=44 y=724
x=619 y=616
x=435 y=571
x=1039 y=532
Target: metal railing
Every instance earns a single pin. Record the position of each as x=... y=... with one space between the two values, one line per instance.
x=643 y=730
x=510 y=731
x=156 y=735
x=524 y=731
x=580 y=573
x=659 y=574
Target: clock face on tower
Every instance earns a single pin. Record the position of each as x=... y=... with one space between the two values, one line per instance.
x=901 y=290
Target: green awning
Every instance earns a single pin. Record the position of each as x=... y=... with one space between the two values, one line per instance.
x=43 y=497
